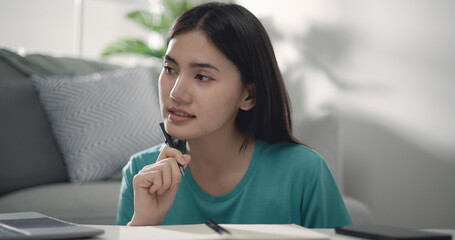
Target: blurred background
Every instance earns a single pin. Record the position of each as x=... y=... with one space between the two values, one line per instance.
x=385 y=69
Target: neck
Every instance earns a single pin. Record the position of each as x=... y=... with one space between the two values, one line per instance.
x=219 y=152
x=217 y=163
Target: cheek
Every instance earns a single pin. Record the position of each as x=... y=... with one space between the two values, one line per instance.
x=164 y=89
x=221 y=105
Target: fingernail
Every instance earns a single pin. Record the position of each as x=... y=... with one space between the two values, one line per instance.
x=175 y=187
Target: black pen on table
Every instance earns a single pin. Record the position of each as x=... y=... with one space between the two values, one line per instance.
x=169 y=143
x=217 y=228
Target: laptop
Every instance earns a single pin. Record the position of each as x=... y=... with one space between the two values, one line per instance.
x=33 y=225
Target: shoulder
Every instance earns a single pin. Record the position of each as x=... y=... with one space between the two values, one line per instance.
x=290 y=152
x=142 y=159
x=290 y=157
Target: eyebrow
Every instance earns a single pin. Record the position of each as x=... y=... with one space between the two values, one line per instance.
x=170 y=59
x=193 y=64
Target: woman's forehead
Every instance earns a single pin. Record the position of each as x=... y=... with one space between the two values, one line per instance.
x=195 y=46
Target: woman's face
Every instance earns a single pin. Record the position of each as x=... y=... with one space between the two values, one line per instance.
x=200 y=89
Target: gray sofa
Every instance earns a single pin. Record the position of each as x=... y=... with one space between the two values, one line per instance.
x=33 y=172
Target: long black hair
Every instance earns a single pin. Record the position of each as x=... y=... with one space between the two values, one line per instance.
x=244 y=41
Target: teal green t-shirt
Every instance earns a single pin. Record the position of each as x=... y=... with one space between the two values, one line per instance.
x=285 y=183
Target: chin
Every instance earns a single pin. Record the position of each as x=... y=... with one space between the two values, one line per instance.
x=177 y=132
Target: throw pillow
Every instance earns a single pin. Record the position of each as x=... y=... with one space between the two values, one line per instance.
x=101 y=119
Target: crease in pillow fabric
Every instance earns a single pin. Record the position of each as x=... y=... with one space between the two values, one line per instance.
x=101 y=119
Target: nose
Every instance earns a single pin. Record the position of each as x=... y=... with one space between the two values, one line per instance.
x=181 y=90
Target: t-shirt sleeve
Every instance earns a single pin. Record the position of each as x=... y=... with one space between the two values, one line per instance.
x=322 y=204
x=126 y=198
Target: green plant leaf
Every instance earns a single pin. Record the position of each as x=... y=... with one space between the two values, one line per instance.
x=177 y=7
x=132 y=46
x=147 y=20
x=160 y=24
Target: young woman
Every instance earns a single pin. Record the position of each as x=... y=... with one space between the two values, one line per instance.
x=221 y=91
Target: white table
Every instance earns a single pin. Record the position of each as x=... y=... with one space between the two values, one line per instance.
x=113 y=232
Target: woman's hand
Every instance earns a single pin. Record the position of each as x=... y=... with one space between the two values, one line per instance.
x=155 y=187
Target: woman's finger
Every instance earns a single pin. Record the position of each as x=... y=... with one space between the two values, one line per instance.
x=169 y=152
x=166 y=176
x=157 y=181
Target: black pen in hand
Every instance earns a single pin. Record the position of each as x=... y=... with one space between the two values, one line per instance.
x=169 y=143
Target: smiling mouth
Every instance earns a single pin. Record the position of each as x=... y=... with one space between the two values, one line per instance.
x=181 y=114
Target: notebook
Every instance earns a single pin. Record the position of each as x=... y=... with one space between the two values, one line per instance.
x=33 y=225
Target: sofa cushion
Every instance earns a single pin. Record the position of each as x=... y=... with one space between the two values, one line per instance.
x=101 y=119
x=92 y=203
x=29 y=154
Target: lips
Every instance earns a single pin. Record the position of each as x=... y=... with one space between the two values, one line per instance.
x=180 y=112
x=179 y=115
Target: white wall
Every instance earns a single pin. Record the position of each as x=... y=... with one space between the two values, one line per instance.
x=399 y=135
x=386 y=68
x=45 y=25
x=53 y=25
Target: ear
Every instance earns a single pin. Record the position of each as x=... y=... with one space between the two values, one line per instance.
x=249 y=98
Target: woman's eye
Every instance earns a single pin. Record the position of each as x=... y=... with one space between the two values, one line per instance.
x=169 y=70
x=203 y=77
